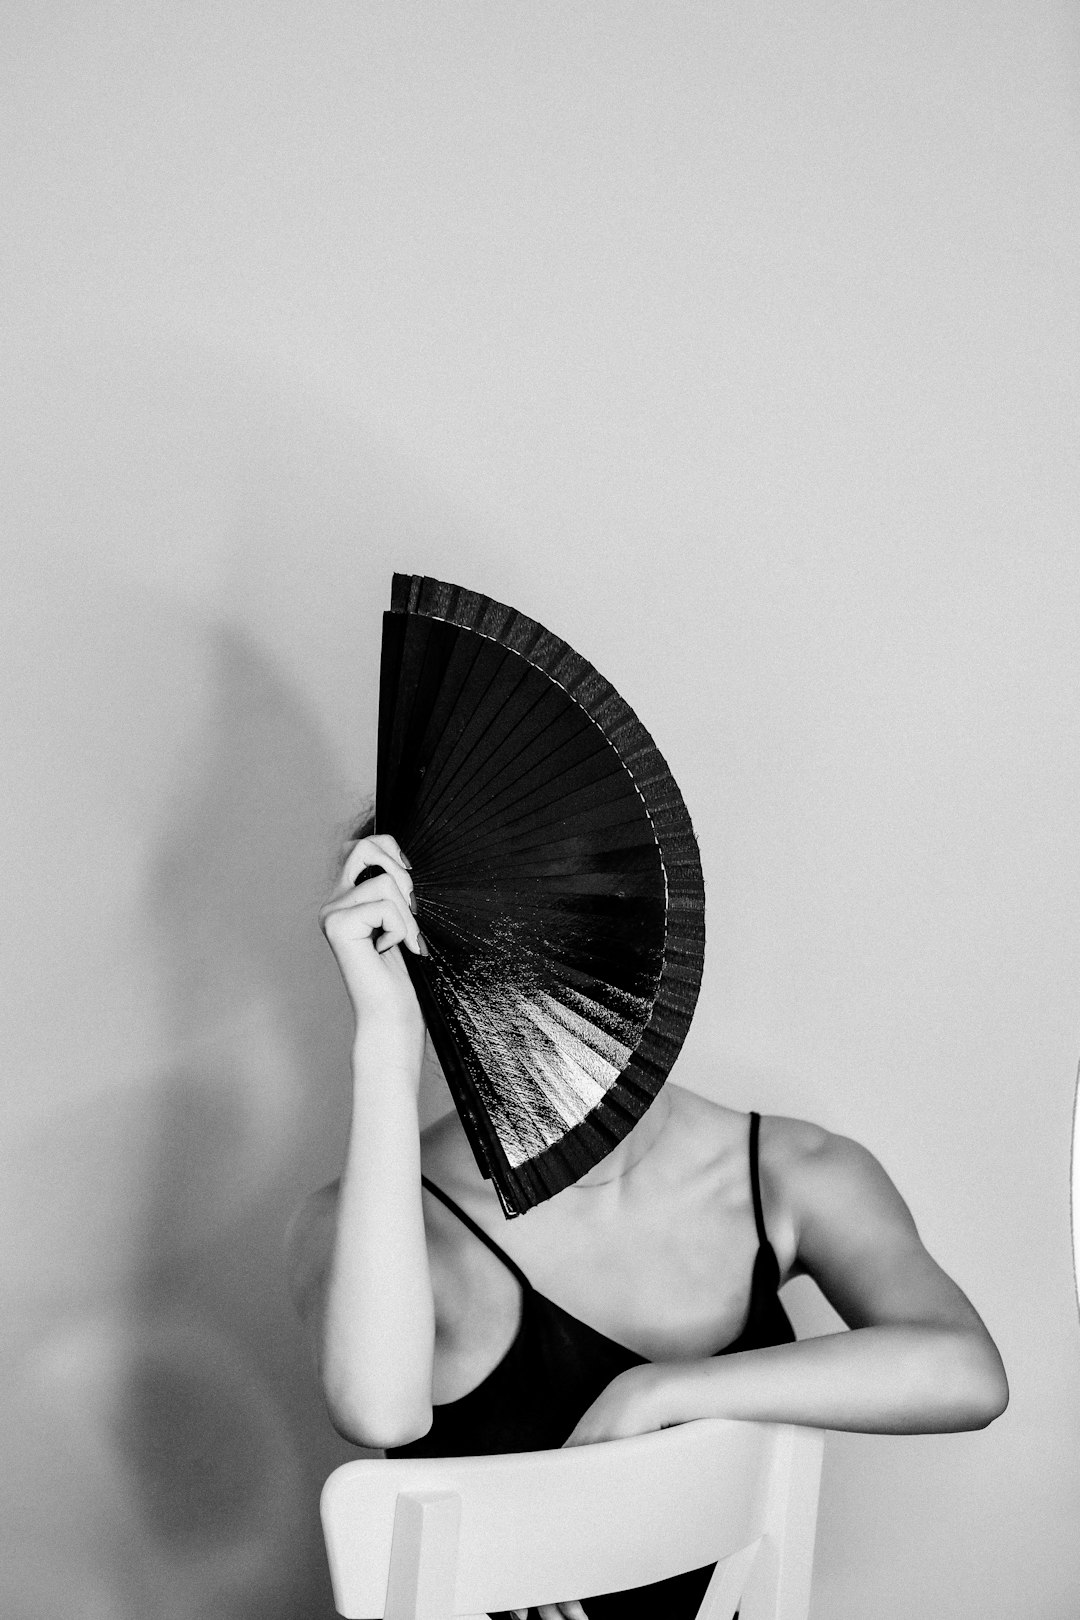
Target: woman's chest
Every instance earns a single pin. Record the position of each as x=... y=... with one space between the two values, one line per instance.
x=673 y=1285
x=668 y=1289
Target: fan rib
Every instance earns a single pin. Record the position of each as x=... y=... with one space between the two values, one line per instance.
x=486 y=786
x=449 y=772
x=486 y=675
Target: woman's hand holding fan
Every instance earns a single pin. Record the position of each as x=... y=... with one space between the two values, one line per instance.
x=366 y=918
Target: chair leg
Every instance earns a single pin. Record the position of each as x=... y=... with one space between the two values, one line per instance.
x=423 y=1556
x=779 y=1584
x=724 y=1591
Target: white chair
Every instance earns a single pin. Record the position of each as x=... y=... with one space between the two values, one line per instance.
x=428 y=1539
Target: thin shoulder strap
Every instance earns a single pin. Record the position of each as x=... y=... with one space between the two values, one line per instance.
x=476 y=1230
x=755 y=1179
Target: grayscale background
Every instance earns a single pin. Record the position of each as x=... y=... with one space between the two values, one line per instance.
x=738 y=344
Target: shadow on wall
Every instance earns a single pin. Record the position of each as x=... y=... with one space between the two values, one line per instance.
x=221 y=1421
x=167 y=1441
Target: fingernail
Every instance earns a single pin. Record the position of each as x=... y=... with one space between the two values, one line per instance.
x=422 y=945
x=412 y=904
x=406 y=863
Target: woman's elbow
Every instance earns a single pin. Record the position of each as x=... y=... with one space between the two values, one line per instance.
x=992 y=1397
x=982 y=1388
x=374 y=1402
x=377 y=1427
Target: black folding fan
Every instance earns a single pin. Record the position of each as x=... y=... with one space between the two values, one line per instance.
x=558 y=884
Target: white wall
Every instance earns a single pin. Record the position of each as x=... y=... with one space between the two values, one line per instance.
x=737 y=344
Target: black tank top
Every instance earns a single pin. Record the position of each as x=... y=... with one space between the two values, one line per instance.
x=554 y=1370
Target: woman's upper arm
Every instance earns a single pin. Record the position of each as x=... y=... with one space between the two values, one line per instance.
x=854 y=1234
x=309 y=1242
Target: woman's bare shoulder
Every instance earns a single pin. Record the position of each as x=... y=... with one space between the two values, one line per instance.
x=832 y=1199
x=816 y=1165
x=792 y=1149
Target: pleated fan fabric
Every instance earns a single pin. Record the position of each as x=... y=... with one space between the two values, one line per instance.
x=558 y=883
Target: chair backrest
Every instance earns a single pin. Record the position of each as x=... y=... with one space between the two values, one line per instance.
x=427 y=1539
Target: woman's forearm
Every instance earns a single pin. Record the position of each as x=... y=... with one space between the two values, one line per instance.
x=885 y=1379
x=378 y=1321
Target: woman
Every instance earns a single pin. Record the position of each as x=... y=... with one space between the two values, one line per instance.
x=642 y=1296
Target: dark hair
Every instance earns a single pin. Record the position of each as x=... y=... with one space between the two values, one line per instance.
x=361 y=826
x=364 y=825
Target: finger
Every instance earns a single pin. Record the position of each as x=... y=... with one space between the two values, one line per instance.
x=391 y=845
x=387 y=852
x=573 y=1610
x=375 y=884
x=369 y=852
x=381 y=886
x=357 y=917
x=348 y=917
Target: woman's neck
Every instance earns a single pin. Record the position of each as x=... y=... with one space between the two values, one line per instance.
x=631 y=1150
